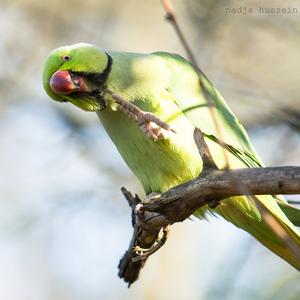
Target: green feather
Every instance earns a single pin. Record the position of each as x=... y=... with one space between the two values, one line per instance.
x=292 y=212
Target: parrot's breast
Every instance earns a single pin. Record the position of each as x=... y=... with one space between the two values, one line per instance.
x=159 y=165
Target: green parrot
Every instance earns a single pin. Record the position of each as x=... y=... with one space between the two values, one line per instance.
x=169 y=87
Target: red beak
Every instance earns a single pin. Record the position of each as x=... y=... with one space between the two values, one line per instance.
x=61 y=83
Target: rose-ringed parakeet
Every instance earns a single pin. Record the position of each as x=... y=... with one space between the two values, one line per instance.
x=169 y=87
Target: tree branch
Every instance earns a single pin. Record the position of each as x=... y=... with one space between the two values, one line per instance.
x=209 y=188
x=181 y=201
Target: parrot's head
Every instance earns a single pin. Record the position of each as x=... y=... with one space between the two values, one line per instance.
x=77 y=74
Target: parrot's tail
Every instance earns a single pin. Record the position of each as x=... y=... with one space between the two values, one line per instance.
x=272 y=227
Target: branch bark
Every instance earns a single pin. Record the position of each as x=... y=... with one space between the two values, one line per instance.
x=212 y=186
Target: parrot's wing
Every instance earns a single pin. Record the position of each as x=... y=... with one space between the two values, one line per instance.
x=194 y=102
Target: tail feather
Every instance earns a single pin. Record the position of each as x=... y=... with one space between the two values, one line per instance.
x=272 y=227
x=292 y=212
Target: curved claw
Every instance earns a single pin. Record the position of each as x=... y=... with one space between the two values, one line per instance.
x=147 y=117
x=143 y=253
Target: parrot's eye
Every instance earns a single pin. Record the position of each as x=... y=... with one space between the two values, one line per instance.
x=66 y=57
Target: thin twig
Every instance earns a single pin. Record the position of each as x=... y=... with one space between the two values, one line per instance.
x=277 y=229
x=208 y=162
x=170 y=16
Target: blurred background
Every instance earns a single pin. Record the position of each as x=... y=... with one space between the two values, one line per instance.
x=63 y=222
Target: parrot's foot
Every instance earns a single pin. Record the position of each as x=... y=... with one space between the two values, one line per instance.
x=152 y=126
x=143 y=254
